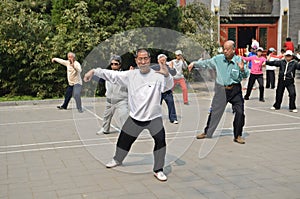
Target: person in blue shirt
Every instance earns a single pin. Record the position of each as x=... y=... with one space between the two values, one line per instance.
x=230 y=71
x=251 y=53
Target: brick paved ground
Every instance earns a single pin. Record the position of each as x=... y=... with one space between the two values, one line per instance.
x=50 y=153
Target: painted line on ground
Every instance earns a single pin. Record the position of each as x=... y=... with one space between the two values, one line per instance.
x=138 y=141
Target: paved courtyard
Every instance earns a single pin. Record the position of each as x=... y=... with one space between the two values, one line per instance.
x=50 y=153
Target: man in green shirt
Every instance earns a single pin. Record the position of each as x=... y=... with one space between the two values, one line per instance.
x=230 y=70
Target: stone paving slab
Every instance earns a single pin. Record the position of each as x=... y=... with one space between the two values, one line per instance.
x=43 y=154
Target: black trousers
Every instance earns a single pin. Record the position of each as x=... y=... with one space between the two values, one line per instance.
x=251 y=82
x=221 y=98
x=169 y=99
x=270 y=79
x=290 y=86
x=131 y=130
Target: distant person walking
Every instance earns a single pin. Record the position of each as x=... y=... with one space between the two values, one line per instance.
x=179 y=64
x=74 y=80
x=116 y=100
x=286 y=79
x=230 y=71
x=256 y=74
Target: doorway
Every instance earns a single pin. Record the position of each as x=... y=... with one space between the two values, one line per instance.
x=245 y=35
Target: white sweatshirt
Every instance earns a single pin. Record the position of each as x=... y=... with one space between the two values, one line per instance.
x=144 y=90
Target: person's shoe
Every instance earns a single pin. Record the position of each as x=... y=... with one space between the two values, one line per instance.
x=273 y=108
x=113 y=163
x=246 y=98
x=160 y=176
x=60 y=107
x=262 y=100
x=186 y=103
x=175 y=122
x=80 y=110
x=294 y=110
x=239 y=140
x=201 y=136
x=101 y=131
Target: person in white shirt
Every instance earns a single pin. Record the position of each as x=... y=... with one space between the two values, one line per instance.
x=254 y=43
x=179 y=64
x=74 y=80
x=145 y=87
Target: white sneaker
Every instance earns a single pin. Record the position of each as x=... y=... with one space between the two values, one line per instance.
x=294 y=110
x=160 y=176
x=273 y=108
x=101 y=131
x=175 y=122
x=112 y=163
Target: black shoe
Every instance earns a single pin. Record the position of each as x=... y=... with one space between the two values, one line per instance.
x=262 y=100
x=246 y=98
x=80 y=110
x=60 y=107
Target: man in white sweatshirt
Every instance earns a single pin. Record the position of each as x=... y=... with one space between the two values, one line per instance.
x=144 y=95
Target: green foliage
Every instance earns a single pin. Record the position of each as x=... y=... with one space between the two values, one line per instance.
x=23 y=36
x=58 y=8
x=29 y=41
x=199 y=23
x=76 y=32
x=32 y=32
x=120 y=15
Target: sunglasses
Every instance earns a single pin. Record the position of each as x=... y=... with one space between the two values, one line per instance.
x=114 y=64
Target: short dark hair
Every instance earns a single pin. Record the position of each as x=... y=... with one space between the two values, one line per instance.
x=288 y=39
x=141 y=50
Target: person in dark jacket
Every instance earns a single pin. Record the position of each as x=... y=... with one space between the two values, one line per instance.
x=286 y=79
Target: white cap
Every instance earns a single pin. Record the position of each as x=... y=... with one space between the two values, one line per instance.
x=260 y=49
x=272 y=50
x=178 y=52
x=162 y=55
x=288 y=52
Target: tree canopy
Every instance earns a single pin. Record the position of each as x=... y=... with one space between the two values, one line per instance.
x=32 y=32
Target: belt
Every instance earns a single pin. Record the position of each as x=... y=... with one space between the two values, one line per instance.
x=229 y=87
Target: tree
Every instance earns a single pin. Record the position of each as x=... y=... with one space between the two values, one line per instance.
x=31 y=34
x=29 y=41
x=121 y=15
x=24 y=35
x=200 y=23
x=58 y=8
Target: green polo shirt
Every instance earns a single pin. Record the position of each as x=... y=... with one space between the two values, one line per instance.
x=228 y=72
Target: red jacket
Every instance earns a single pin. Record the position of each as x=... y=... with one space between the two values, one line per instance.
x=289 y=45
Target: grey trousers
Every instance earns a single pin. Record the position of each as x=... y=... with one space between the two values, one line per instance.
x=119 y=109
